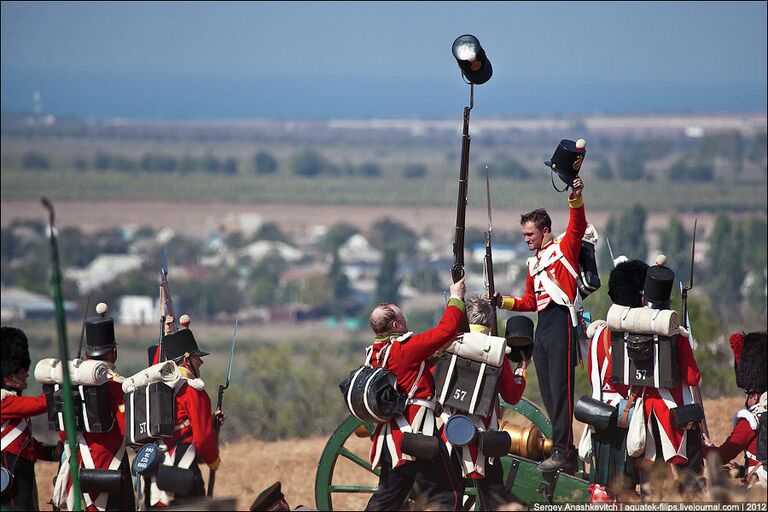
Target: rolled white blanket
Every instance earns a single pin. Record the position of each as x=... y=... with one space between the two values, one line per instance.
x=480 y=347
x=81 y=373
x=45 y=369
x=161 y=372
x=89 y=372
x=663 y=322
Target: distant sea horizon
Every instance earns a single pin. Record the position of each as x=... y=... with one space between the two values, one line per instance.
x=168 y=97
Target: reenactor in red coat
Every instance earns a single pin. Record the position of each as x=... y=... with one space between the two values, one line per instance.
x=19 y=449
x=607 y=448
x=104 y=450
x=485 y=471
x=551 y=290
x=750 y=354
x=195 y=439
x=406 y=355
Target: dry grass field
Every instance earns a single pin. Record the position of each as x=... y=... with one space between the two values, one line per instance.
x=249 y=466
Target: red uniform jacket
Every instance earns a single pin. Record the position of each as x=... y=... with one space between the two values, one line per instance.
x=743 y=438
x=599 y=368
x=655 y=405
x=15 y=411
x=195 y=422
x=405 y=359
x=570 y=245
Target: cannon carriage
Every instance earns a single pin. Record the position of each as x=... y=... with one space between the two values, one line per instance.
x=345 y=481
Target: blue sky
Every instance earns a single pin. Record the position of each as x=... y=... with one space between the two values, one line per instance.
x=349 y=59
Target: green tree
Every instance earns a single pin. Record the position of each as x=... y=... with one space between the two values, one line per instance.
x=631 y=168
x=271 y=231
x=317 y=291
x=339 y=281
x=758 y=149
x=264 y=163
x=728 y=145
x=388 y=282
x=35 y=160
x=310 y=163
x=390 y=234
x=688 y=170
x=414 y=171
x=675 y=243
x=336 y=236
x=725 y=266
x=510 y=168
x=370 y=170
x=627 y=236
x=230 y=166
x=426 y=280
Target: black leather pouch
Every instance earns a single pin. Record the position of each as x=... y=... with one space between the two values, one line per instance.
x=101 y=480
x=420 y=446
x=685 y=414
x=594 y=412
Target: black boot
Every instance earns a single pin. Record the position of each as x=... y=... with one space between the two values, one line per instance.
x=557 y=461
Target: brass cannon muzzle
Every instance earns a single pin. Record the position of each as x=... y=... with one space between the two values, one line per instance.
x=527 y=441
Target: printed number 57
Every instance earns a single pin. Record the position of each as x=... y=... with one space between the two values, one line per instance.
x=459 y=395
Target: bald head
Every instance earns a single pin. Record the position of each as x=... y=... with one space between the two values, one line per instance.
x=387 y=318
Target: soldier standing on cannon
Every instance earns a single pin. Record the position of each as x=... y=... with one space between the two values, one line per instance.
x=106 y=449
x=406 y=354
x=19 y=449
x=194 y=439
x=550 y=289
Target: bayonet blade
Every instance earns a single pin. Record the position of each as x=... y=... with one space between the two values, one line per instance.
x=231 y=353
x=610 y=251
x=488 y=196
x=164 y=260
x=693 y=252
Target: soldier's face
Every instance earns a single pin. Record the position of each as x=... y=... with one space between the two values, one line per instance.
x=533 y=236
x=399 y=323
x=17 y=380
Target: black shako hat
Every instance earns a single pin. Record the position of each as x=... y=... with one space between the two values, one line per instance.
x=472 y=60
x=658 y=284
x=14 y=349
x=271 y=498
x=567 y=159
x=519 y=335
x=179 y=344
x=625 y=285
x=750 y=367
x=99 y=332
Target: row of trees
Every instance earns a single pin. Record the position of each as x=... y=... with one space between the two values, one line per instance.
x=733 y=274
x=697 y=162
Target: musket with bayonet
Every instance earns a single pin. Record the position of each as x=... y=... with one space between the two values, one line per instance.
x=490 y=286
x=684 y=289
x=167 y=316
x=217 y=420
x=61 y=327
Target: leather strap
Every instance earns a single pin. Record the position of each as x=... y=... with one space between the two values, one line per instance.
x=625 y=412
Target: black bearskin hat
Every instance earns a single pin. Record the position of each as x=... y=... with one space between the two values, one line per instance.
x=750 y=352
x=625 y=285
x=14 y=349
